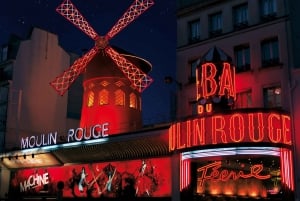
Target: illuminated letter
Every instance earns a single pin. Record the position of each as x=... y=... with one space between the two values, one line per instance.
x=24 y=143
x=77 y=132
x=240 y=127
x=37 y=139
x=31 y=139
x=96 y=130
x=200 y=109
x=208 y=108
x=47 y=140
x=208 y=81
x=172 y=138
x=219 y=129
x=199 y=132
x=271 y=128
x=226 y=81
x=251 y=127
x=52 y=138
x=71 y=135
x=87 y=136
x=179 y=145
x=188 y=133
x=286 y=129
x=105 y=129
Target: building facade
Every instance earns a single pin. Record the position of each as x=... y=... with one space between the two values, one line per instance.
x=26 y=67
x=89 y=143
x=261 y=36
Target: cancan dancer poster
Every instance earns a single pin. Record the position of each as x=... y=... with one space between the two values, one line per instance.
x=134 y=178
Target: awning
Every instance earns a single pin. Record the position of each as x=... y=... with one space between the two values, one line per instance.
x=151 y=142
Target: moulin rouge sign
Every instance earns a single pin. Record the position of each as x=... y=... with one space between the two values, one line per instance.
x=252 y=127
x=73 y=135
x=216 y=80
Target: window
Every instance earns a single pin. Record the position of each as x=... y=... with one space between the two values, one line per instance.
x=193 y=67
x=194 y=31
x=103 y=97
x=91 y=98
x=119 y=97
x=240 y=16
x=215 y=24
x=270 y=52
x=272 y=97
x=243 y=99
x=268 y=9
x=132 y=101
x=3 y=56
x=242 y=58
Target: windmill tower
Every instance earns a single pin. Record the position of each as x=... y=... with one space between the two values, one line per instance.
x=113 y=79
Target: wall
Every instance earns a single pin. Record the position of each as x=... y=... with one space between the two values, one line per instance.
x=35 y=107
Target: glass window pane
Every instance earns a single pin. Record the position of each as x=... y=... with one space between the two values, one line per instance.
x=194 y=31
x=272 y=97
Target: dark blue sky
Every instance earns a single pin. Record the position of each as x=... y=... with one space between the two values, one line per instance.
x=152 y=36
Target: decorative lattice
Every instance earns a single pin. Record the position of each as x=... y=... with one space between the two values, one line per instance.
x=139 y=79
x=62 y=83
x=135 y=10
x=69 y=11
x=119 y=83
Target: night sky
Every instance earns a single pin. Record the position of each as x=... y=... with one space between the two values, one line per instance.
x=152 y=36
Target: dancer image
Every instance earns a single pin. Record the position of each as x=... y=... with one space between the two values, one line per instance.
x=82 y=181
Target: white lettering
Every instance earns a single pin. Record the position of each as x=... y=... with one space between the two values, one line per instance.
x=78 y=134
x=39 y=141
x=34 y=181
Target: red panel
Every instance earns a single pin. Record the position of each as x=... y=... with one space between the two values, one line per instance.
x=141 y=178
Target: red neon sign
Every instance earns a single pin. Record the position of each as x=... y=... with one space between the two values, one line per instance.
x=254 y=127
x=217 y=83
x=212 y=172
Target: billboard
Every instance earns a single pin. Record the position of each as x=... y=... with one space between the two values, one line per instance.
x=134 y=178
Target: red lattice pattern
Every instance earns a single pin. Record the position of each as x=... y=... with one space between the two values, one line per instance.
x=138 y=78
x=69 y=11
x=136 y=9
x=62 y=83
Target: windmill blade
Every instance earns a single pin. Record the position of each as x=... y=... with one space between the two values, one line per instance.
x=70 y=12
x=135 y=10
x=138 y=78
x=62 y=83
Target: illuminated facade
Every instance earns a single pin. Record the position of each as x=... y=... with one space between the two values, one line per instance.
x=234 y=137
x=261 y=38
x=106 y=146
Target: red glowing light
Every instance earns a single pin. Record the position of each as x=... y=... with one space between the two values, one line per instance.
x=148 y=178
x=212 y=172
x=251 y=127
x=62 y=83
x=185 y=177
x=211 y=85
x=139 y=79
x=287 y=170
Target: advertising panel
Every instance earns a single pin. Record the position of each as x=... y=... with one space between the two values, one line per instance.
x=240 y=172
x=134 y=178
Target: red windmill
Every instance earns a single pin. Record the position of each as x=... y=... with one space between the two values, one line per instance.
x=107 y=73
x=137 y=77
